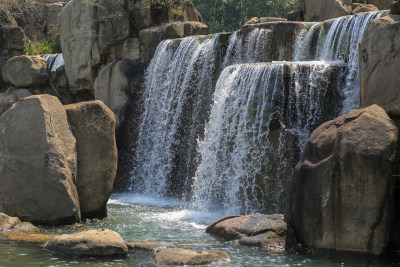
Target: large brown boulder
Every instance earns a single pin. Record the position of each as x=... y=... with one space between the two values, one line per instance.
x=93 y=125
x=264 y=231
x=101 y=243
x=320 y=10
x=379 y=62
x=342 y=189
x=178 y=256
x=38 y=162
x=26 y=71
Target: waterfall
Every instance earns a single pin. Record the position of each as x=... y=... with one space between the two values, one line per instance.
x=225 y=116
x=178 y=93
x=252 y=138
x=54 y=61
x=339 y=43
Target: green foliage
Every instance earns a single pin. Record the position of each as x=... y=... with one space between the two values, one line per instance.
x=166 y=6
x=40 y=48
x=230 y=15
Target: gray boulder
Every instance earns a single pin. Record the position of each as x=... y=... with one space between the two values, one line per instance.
x=93 y=126
x=38 y=162
x=342 y=189
x=379 y=62
x=26 y=71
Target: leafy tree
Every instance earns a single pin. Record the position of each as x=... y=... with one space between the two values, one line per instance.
x=229 y=15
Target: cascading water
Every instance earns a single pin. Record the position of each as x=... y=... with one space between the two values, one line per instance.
x=54 y=61
x=259 y=112
x=339 y=43
x=236 y=152
x=178 y=93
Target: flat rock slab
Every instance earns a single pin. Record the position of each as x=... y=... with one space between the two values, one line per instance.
x=7 y=222
x=264 y=231
x=178 y=256
x=101 y=242
x=148 y=246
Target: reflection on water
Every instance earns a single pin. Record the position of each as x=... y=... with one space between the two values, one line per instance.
x=139 y=218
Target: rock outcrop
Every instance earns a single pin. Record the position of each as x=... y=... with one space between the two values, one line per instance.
x=317 y=10
x=379 y=62
x=364 y=8
x=11 y=97
x=264 y=231
x=26 y=71
x=153 y=36
x=101 y=243
x=178 y=256
x=93 y=34
x=93 y=125
x=38 y=162
x=256 y=20
x=7 y=222
x=12 y=37
x=342 y=189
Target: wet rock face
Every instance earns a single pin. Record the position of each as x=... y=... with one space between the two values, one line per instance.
x=93 y=125
x=380 y=57
x=178 y=256
x=26 y=72
x=113 y=84
x=38 y=162
x=264 y=231
x=101 y=243
x=341 y=195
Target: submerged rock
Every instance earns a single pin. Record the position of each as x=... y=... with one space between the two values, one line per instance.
x=102 y=243
x=27 y=232
x=148 y=246
x=342 y=186
x=7 y=222
x=26 y=71
x=264 y=231
x=178 y=256
x=38 y=162
x=93 y=125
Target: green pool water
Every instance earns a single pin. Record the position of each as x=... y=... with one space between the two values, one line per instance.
x=139 y=218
